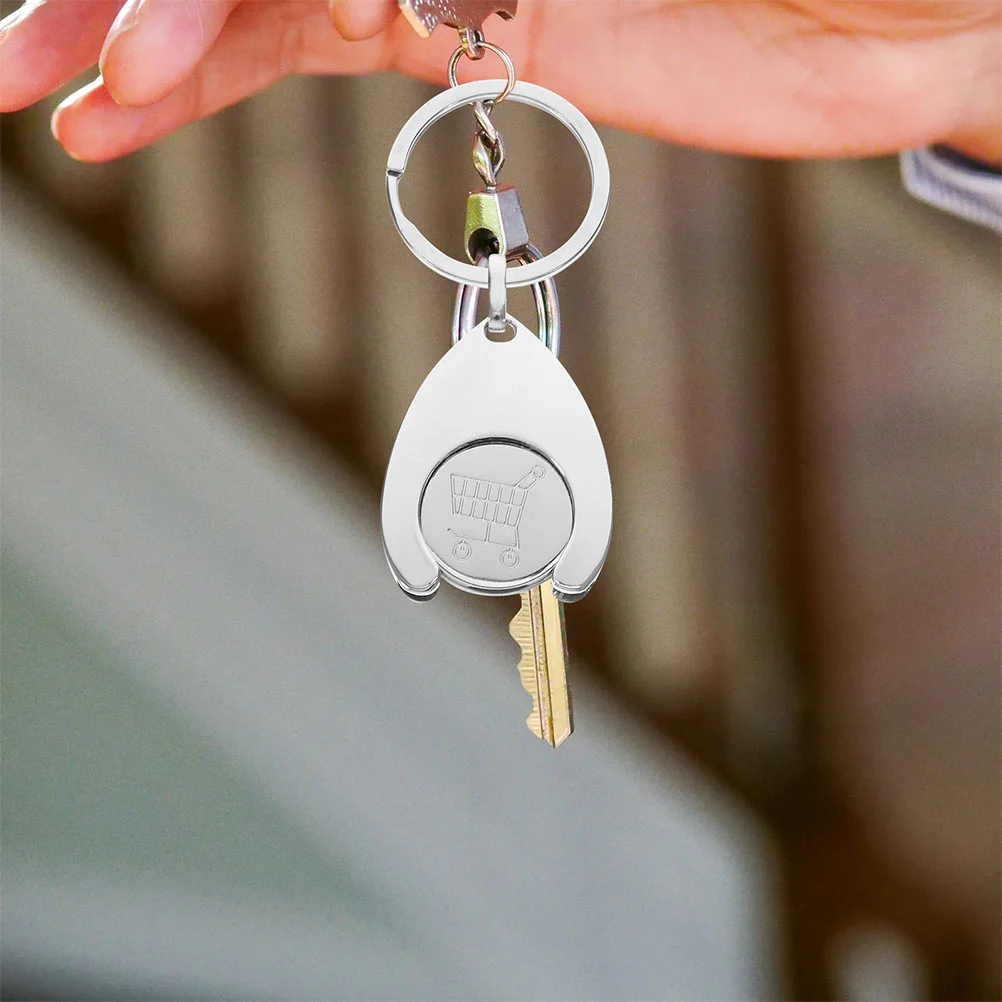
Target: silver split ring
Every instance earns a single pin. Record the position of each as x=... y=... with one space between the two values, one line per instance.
x=524 y=93
x=482 y=44
x=544 y=295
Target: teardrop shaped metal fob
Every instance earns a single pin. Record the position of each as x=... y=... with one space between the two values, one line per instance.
x=498 y=479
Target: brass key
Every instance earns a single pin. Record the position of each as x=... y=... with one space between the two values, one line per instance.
x=425 y=15
x=538 y=628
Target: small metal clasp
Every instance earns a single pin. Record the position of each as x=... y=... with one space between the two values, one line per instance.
x=544 y=295
x=497 y=294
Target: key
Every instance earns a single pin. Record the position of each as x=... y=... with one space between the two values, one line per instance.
x=425 y=15
x=498 y=481
x=538 y=628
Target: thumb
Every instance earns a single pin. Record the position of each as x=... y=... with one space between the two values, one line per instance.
x=357 y=20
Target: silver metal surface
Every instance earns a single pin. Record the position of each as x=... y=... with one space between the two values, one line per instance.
x=488 y=146
x=424 y=16
x=472 y=42
x=544 y=295
x=509 y=67
x=516 y=392
x=525 y=93
x=496 y=513
x=497 y=294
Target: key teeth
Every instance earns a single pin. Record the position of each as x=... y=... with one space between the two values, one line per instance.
x=520 y=629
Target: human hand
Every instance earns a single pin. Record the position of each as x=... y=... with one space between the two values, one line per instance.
x=771 y=77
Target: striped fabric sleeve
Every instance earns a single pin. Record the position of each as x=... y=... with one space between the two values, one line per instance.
x=954 y=183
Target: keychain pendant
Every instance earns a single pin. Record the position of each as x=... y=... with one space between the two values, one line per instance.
x=498 y=479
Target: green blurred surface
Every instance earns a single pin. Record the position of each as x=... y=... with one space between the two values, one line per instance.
x=98 y=774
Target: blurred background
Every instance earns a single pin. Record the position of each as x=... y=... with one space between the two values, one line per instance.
x=238 y=763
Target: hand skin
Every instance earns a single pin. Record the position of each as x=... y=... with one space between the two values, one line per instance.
x=806 y=78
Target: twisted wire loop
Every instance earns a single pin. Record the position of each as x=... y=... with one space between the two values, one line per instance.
x=488 y=146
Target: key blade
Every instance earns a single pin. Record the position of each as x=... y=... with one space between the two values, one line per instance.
x=425 y=15
x=522 y=632
x=538 y=629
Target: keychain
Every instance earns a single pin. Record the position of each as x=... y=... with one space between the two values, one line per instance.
x=498 y=480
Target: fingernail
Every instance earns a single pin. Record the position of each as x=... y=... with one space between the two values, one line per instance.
x=65 y=106
x=54 y=126
x=56 y=115
x=12 y=20
x=335 y=12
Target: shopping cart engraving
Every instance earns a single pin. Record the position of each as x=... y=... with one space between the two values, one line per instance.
x=484 y=511
x=496 y=515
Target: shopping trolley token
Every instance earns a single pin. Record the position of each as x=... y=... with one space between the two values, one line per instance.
x=498 y=479
x=495 y=512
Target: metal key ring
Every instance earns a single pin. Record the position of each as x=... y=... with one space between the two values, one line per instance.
x=544 y=295
x=524 y=93
x=509 y=68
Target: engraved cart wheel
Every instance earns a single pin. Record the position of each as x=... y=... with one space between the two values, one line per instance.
x=462 y=550
x=509 y=558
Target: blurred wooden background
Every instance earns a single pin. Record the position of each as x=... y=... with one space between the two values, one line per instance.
x=796 y=372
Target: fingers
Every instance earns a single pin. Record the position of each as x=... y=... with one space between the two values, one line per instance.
x=357 y=20
x=262 y=41
x=155 y=44
x=91 y=126
x=45 y=44
x=259 y=42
